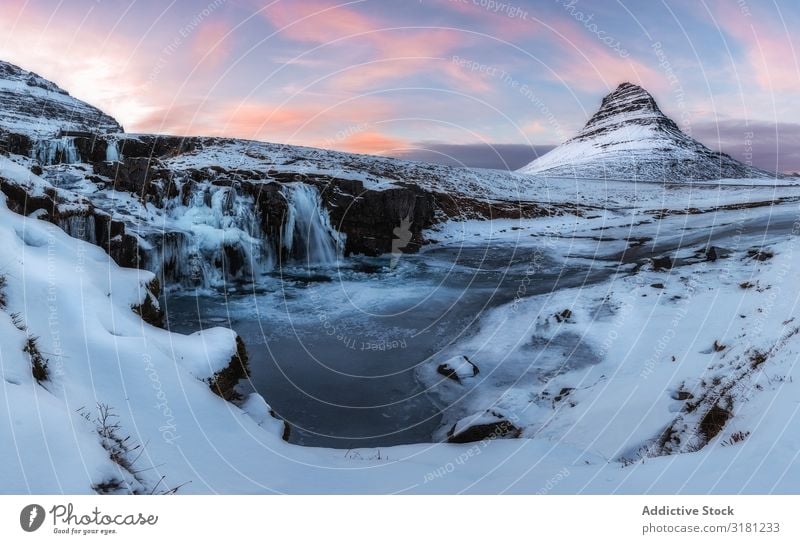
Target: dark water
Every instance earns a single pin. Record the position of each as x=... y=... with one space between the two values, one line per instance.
x=334 y=350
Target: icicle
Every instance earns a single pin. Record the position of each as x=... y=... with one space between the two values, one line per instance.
x=58 y=151
x=307 y=232
x=215 y=236
x=81 y=227
x=220 y=241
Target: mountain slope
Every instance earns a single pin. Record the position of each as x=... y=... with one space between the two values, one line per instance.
x=33 y=106
x=629 y=138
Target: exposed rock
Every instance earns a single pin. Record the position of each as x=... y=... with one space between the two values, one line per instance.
x=137 y=175
x=486 y=426
x=369 y=218
x=760 y=254
x=714 y=421
x=563 y=393
x=661 y=263
x=458 y=368
x=564 y=316
x=157 y=146
x=149 y=309
x=224 y=382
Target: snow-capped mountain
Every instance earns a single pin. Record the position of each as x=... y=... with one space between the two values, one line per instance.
x=33 y=106
x=629 y=138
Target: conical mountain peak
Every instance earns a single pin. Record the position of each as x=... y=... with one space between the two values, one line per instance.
x=630 y=138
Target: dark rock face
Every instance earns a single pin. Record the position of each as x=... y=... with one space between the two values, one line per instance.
x=156 y=146
x=91 y=148
x=142 y=176
x=17 y=144
x=369 y=218
x=97 y=225
x=224 y=382
x=604 y=148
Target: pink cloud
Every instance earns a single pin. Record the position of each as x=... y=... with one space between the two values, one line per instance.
x=321 y=22
x=768 y=47
x=587 y=63
x=211 y=44
x=317 y=21
x=88 y=60
x=316 y=124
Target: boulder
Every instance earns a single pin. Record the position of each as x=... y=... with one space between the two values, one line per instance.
x=661 y=263
x=458 y=368
x=488 y=425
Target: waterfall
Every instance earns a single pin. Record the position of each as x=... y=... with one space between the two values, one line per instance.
x=56 y=151
x=214 y=235
x=112 y=151
x=308 y=236
x=219 y=241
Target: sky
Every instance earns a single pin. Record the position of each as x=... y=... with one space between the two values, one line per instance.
x=487 y=83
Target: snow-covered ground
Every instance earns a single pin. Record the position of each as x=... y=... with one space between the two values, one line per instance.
x=593 y=376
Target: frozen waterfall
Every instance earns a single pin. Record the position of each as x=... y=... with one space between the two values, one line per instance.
x=308 y=236
x=112 y=151
x=56 y=151
x=216 y=240
x=210 y=236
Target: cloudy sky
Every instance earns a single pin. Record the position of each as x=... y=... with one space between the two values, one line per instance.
x=481 y=82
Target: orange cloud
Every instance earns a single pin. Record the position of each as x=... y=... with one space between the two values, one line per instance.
x=371 y=143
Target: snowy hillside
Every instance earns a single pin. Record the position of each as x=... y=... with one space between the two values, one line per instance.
x=33 y=106
x=629 y=138
x=617 y=414
x=645 y=336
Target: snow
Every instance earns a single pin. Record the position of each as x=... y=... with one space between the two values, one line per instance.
x=153 y=379
x=376 y=173
x=593 y=375
x=480 y=418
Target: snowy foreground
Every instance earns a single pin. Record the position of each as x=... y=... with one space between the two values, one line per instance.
x=716 y=331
